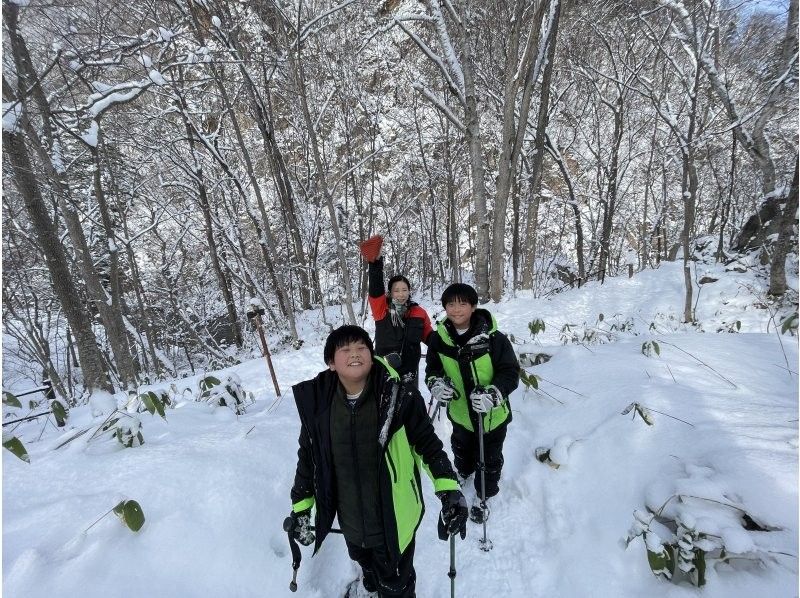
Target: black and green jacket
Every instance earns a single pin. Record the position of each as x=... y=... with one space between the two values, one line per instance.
x=405 y=441
x=482 y=356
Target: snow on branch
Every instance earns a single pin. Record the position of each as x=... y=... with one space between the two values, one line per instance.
x=440 y=105
x=306 y=31
x=457 y=90
x=108 y=96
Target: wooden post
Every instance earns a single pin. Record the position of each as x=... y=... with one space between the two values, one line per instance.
x=255 y=317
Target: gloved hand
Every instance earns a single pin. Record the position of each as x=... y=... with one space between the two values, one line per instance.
x=441 y=389
x=394 y=359
x=453 y=518
x=484 y=398
x=301 y=527
x=371 y=248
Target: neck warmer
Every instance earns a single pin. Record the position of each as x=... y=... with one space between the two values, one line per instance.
x=398 y=311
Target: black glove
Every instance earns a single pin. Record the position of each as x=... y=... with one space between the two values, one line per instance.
x=300 y=527
x=394 y=359
x=453 y=518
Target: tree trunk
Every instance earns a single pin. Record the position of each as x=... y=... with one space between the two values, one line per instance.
x=94 y=375
x=112 y=314
x=777 y=271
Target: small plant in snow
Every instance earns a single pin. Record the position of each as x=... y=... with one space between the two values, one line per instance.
x=789 y=325
x=225 y=394
x=127 y=430
x=643 y=412
x=687 y=533
x=129 y=512
x=536 y=326
x=650 y=348
x=529 y=380
x=732 y=327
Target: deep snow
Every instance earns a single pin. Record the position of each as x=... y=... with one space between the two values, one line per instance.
x=214 y=487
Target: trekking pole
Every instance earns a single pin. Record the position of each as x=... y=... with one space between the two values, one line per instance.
x=485 y=543
x=452 y=573
x=297 y=556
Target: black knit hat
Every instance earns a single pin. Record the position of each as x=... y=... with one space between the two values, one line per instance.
x=344 y=335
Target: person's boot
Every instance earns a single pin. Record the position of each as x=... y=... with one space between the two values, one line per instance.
x=477 y=513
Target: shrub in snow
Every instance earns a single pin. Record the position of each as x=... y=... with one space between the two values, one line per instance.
x=225 y=394
x=126 y=428
x=689 y=532
x=649 y=348
x=529 y=380
x=602 y=332
x=535 y=327
x=732 y=328
x=527 y=360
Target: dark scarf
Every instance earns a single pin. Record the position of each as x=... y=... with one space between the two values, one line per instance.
x=398 y=312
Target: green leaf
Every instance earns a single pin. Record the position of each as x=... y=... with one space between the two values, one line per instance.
x=131 y=514
x=657 y=561
x=17 y=448
x=11 y=400
x=60 y=413
x=700 y=566
x=644 y=413
x=662 y=563
x=147 y=401
x=157 y=403
x=790 y=323
x=209 y=382
x=656 y=348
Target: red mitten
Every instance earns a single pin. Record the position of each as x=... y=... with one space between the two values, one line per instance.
x=371 y=248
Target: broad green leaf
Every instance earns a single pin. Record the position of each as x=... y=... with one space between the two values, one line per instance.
x=657 y=561
x=148 y=403
x=157 y=403
x=11 y=400
x=656 y=348
x=60 y=413
x=17 y=448
x=131 y=514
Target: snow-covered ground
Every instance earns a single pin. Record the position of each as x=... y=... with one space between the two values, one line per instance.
x=214 y=487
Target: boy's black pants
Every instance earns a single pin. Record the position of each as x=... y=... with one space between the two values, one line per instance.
x=379 y=576
x=466 y=453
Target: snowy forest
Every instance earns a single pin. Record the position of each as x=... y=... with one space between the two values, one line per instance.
x=169 y=164
x=186 y=187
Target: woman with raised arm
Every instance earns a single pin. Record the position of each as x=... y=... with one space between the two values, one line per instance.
x=400 y=323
